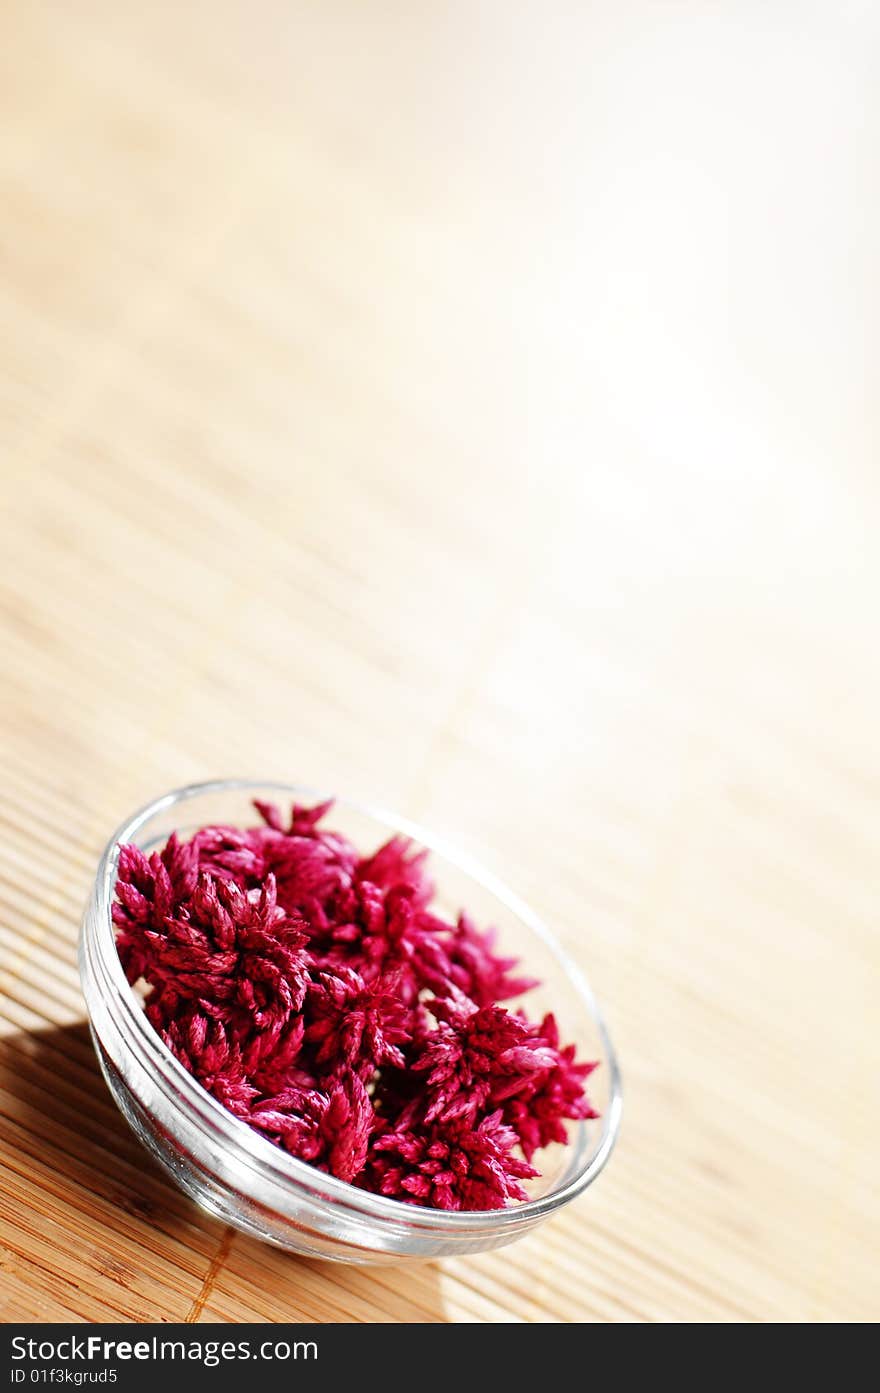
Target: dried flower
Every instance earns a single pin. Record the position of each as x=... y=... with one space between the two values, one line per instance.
x=226 y=947
x=477 y=1055
x=202 y=1044
x=356 y=1023
x=477 y=971
x=147 y=893
x=398 y=863
x=450 y=1165
x=314 y=993
x=537 y=1112
x=330 y=1129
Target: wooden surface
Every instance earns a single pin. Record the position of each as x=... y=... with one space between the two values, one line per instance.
x=472 y=408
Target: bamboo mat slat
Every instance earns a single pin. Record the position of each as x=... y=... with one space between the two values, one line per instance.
x=388 y=403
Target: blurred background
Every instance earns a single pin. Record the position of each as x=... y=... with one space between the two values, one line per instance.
x=473 y=408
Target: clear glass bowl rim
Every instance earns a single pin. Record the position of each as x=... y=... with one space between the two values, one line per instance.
x=270 y=1162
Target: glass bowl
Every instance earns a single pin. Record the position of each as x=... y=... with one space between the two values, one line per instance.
x=238 y=1175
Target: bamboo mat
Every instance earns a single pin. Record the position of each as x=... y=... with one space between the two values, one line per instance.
x=467 y=409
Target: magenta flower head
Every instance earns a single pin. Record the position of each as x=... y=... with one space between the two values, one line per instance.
x=450 y=1165
x=477 y=970
x=475 y=1057
x=356 y=1023
x=148 y=892
x=328 y=1127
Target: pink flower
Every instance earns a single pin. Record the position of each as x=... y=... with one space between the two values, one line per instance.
x=228 y=947
x=356 y=1023
x=398 y=863
x=148 y=892
x=309 y=864
x=450 y=1165
x=476 y=1056
x=537 y=1112
x=380 y=931
x=204 y=1048
x=329 y=1129
x=479 y=972
x=230 y=854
